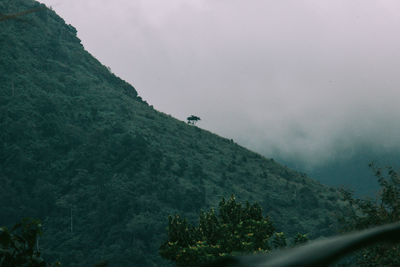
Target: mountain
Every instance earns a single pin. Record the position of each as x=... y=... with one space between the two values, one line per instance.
x=102 y=169
x=351 y=171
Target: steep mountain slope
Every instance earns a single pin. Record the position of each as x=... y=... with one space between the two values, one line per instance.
x=80 y=150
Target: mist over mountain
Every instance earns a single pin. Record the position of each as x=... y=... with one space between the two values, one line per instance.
x=346 y=168
x=313 y=83
x=102 y=169
x=351 y=172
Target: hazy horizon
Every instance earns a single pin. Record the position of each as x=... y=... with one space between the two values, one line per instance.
x=310 y=81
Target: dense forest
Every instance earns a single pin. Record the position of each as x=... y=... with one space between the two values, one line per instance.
x=102 y=169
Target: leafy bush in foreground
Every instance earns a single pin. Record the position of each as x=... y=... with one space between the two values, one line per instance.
x=19 y=247
x=236 y=229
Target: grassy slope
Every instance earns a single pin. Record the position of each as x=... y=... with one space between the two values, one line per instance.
x=76 y=139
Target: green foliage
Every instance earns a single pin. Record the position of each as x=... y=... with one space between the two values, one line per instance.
x=78 y=145
x=18 y=246
x=279 y=240
x=300 y=239
x=234 y=230
x=365 y=213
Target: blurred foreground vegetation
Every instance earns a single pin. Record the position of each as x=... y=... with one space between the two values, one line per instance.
x=233 y=230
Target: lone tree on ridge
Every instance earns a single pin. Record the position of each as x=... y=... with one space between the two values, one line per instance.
x=192 y=119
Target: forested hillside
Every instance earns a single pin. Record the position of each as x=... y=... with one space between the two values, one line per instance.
x=102 y=169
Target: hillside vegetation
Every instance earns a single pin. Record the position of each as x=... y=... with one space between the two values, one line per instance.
x=103 y=170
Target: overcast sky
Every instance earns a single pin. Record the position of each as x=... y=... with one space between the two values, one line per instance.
x=304 y=79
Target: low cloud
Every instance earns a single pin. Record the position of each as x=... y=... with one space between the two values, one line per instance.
x=306 y=80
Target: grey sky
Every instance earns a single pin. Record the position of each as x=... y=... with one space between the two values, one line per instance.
x=304 y=79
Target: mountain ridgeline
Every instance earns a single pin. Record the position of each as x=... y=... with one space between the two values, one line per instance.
x=80 y=150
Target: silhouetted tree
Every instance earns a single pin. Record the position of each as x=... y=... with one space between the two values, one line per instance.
x=192 y=119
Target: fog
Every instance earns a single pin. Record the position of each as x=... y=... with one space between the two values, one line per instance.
x=305 y=80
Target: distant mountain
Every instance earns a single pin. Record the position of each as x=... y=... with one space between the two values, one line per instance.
x=82 y=151
x=351 y=171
